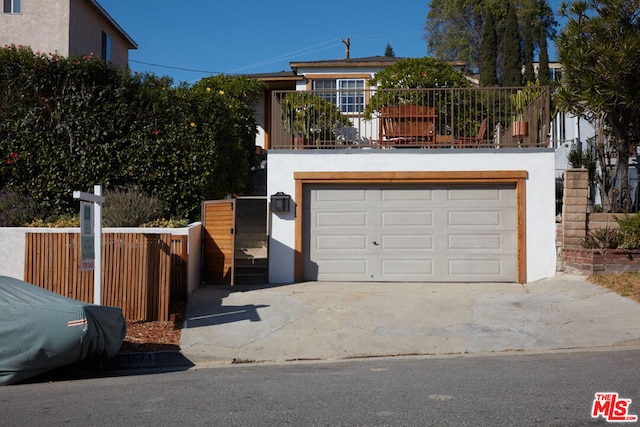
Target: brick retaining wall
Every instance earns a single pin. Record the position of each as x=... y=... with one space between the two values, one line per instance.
x=577 y=222
x=593 y=261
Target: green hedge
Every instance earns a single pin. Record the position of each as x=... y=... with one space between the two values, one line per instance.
x=68 y=124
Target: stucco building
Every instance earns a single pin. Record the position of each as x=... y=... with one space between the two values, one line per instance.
x=65 y=27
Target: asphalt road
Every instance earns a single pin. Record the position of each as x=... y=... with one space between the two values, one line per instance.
x=510 y=390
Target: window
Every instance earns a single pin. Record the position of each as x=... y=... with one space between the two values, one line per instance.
x=11 y=6
x=105 y=53
x=351 y=95
x=348 y=94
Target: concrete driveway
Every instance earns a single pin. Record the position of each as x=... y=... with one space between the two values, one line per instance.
x=330 y=320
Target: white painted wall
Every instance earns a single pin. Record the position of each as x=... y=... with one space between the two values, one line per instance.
x=12 y=247
x=540 y=192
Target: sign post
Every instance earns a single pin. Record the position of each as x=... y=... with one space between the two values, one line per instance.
x=91 y=236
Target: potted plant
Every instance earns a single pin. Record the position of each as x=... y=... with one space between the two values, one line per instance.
x=520 y=101
x=310 y=119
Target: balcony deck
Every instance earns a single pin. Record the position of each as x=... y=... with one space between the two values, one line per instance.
x=457 y=118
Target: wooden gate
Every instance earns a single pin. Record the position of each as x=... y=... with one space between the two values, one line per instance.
x=218 y=220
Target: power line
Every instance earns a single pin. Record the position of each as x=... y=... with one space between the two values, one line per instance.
x=176 y=68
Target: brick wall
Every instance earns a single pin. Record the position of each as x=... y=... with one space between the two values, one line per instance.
x=576 y=222
x=574 y=207
x=589 y=261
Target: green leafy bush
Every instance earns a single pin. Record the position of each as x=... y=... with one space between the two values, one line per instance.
x=629 y=229
x=16 y=210
x=130 y=208
x=63 y=221
x=166 y=223
x=67 y=124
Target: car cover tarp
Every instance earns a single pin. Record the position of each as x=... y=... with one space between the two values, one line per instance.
x=41 y=330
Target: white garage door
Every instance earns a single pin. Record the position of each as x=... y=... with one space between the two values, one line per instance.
x=464 y=233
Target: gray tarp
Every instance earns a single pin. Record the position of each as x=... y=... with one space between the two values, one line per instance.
x=41 y=330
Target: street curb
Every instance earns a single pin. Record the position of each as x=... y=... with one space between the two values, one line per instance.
x=150 y=360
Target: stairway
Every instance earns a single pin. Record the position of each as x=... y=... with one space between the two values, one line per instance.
x=251 y=264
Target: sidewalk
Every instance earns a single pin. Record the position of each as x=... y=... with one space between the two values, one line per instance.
x=329 y=321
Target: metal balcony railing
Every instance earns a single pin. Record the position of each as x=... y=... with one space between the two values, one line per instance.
x=517 y=117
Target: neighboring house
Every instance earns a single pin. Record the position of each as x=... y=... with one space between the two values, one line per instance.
x=65 y=27
x=365 y=207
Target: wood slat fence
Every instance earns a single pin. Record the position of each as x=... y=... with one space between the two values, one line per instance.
x=141 y=273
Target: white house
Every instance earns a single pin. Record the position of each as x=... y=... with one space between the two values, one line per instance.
x=430 y=209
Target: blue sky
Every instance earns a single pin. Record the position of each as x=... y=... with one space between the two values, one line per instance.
x=211 y=37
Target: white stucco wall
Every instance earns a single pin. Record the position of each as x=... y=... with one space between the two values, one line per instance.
x=540 y=192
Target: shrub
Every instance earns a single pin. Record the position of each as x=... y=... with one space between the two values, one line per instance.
x=629 y=229
x=130 y=208
x=74 y=120
x=602 y=238
x=63 y=221
x=16 y=209
x=166 y=223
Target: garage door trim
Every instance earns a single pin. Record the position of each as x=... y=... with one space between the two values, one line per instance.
x=467 y=177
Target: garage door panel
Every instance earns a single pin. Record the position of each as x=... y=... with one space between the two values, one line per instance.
x=486 y=268
x=407 y=219
x=397 y=194
x=347 y=195
x=407 y=267
x=404 y=242
x=478 y=242
x=341 y=241
x=476 y=194
x=340 y=219
x=474 y=219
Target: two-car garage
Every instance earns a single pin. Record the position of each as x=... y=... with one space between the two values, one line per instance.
x=410 y=226
x=446 y=232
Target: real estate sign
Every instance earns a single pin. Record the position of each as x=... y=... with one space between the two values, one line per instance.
x=87 y=236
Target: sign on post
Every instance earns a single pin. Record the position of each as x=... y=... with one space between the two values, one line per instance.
x=87 y=236
x=91 y=232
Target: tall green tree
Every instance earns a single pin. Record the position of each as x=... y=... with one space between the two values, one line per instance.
x=543 y=68
x=599 y=49
x=454 y=29
x=489 y=61
x=388 y=51
x=528 y=48
x=512 y=71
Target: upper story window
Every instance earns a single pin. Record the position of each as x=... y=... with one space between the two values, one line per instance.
x=347 y=94
x=12 y=6
x=105 y=51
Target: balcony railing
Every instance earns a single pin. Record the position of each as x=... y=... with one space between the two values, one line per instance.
x=492 y=118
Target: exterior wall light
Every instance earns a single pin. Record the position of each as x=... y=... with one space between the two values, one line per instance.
x=280 y=202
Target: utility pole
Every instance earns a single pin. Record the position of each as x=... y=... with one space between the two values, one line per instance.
x=347 y=43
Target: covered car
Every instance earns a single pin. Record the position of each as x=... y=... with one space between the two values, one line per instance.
x=41 y=330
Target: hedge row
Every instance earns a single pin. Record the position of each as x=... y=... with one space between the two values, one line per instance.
x=69 y=123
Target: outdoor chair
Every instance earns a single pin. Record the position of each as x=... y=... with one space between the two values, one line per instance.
x=473 y=141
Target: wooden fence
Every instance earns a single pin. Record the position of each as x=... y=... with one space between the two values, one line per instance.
x=141 y=273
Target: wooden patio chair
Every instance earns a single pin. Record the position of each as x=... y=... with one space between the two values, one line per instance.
x=473 y=141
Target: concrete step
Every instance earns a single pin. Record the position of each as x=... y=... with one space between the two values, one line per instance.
x=250 y=253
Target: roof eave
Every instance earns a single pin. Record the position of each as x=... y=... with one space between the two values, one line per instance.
x=101 y=10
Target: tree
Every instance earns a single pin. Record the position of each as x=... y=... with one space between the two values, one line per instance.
x=543 y=67
x=511 y=73
x=488 y=71
x=388 y=51
x=599 y=49
x=528 y=48
x=454 y=29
